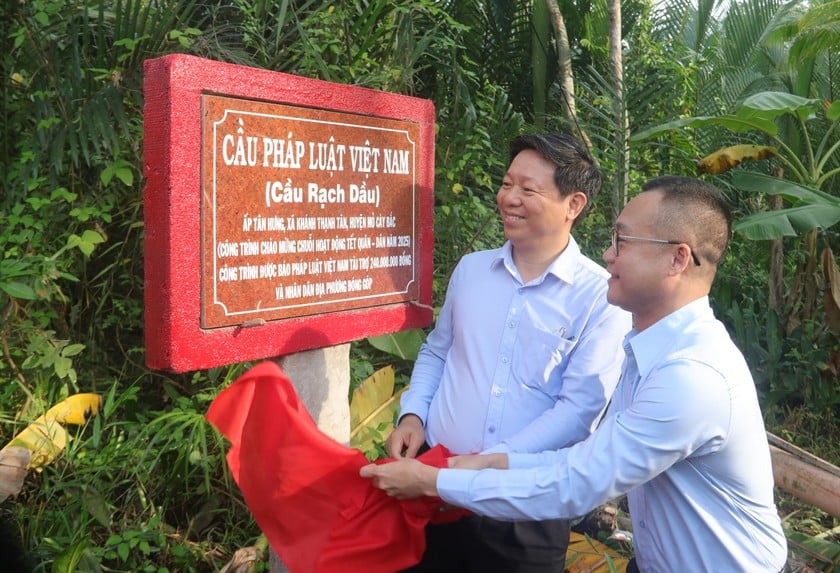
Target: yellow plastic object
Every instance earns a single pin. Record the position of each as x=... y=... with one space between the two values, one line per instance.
x=45 y=438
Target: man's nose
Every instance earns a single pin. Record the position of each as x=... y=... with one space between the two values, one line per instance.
x=510 y=195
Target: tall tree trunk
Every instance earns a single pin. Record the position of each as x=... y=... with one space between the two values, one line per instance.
x=564 y=59
x=564 y=67
x=775 y=279
x=622 y=127
x=540 y=38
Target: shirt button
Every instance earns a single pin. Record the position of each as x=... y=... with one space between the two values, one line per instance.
x=497 y=392
x=491 y=429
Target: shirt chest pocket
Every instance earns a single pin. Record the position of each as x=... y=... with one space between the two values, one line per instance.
x=540 y=358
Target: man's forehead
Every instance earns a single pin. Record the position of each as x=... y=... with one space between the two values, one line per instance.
x=639 y=210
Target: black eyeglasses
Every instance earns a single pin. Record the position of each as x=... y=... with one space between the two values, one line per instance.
x=616 y=239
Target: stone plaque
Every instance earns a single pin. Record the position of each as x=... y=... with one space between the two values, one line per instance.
x=281 y=213
x=304 y=211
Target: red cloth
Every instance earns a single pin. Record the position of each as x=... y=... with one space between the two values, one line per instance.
x=304 y=488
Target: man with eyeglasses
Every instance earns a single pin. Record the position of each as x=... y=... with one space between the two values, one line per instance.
x=616 y=239
x=683 y=437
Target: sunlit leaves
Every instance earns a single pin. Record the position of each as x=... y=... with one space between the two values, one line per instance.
x=86 y=242
x=120 y=169
x=809 y=208
x=373 y=408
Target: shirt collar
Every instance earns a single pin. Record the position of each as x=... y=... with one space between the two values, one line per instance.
x=563 y=267
x=651 y=345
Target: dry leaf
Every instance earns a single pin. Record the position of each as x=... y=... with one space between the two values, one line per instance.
x=587 y=555
x=725 y=159
x=832 y=290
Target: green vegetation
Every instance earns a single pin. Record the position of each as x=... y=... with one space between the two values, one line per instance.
x=144 y=485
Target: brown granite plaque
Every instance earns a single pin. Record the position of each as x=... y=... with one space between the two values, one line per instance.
x=304 y=211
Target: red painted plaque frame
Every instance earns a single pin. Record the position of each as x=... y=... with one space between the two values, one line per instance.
x=178 y=337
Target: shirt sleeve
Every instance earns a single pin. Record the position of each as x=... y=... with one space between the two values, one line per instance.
x=429 y=366
x=588 y=382
x=681 y=410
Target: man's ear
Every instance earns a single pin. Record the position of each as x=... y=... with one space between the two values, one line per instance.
x=681 y=259
x=577 y=202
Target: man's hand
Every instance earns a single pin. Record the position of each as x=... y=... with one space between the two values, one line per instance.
x=479 y=462
x=403 y=478
x=408 y=436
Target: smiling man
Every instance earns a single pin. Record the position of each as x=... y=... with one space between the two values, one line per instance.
x=683 y=437
x=524 y=356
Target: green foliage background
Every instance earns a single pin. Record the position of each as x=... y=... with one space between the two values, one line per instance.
x=144 y=487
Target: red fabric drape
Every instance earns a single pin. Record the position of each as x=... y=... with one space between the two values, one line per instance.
x=304 y=489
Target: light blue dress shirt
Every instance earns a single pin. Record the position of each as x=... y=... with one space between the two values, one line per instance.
x=516 y=367
x=683 y=437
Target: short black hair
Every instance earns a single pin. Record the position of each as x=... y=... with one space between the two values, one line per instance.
x=574 y=167
x=697 y=211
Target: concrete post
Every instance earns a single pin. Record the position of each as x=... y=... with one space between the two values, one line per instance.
x=321 y=378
